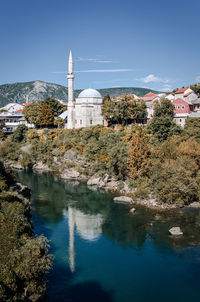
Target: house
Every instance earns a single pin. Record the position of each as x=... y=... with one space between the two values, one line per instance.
x=11 y=116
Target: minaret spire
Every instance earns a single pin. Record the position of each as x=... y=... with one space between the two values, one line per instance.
x=70 y=105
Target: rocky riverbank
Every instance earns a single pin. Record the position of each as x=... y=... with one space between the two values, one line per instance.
x=72 y=167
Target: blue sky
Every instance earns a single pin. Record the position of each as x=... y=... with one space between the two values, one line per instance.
x=136 y=43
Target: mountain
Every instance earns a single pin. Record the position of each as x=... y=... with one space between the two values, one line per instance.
x=39 y=90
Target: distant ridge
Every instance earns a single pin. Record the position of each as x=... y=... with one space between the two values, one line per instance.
x=39 y=90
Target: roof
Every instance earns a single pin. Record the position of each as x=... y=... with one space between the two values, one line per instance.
x=181 y=90
x=64 y=114
x=89 y=93
x=26 y=104
x=195 y=114
x=149 y=96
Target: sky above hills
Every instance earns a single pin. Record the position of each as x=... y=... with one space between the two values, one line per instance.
x=129 y=43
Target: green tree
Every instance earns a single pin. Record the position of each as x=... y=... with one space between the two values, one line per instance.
x=56 y=107
x=162 y=125
x=20 y=134
x=124 y=110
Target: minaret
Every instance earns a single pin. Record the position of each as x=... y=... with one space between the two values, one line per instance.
x=70 y=105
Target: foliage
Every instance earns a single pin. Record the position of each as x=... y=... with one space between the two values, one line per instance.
x=20 y=134
x=59 y=122
x=24 y=258
x=174 y=181
x=192 y=128
x=39 y=114
x=162 y=126
x=196 y=88
x=138 y=154
x=124 y=110
x=56 y=107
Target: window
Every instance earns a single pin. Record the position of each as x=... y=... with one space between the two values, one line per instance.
x=75 y=121
x=183 y=107
x=90 y=122
x=80 y=122
x=180 y=120
x=178 y=107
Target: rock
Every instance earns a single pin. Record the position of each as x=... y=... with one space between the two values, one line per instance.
x=195 y=204
x=41 y=167
x=123 y=199
x=22 y=190
x=70 y=174
x=96 y=180
x=132 y=210
x=26 y=149
x=70 y=155
x=176 y=231
x=16 y=166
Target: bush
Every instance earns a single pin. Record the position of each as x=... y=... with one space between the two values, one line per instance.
x=20 y=134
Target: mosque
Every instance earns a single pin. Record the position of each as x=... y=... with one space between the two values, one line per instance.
x=84 y=111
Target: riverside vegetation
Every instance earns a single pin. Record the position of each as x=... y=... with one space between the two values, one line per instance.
x=24 y=258
x=159 y=161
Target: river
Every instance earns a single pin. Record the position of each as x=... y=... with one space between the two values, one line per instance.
x=102 y=253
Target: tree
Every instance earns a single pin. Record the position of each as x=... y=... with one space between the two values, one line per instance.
x=162 y=125
x=56 y=107
x=39 y=113
x=138 y=154
x=19 y=134
x=59 y=122
x=196 y=88
x=124 y=110
x=192 y=128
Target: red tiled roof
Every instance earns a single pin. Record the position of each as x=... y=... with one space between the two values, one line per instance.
x=26 y=104
x=181 y=90
x=150 y=94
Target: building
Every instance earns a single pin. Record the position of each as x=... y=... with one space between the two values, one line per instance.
x=11 y=116
x=84 y=111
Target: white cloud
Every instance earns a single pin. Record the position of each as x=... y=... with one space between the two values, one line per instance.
x=95 y=60
x=106 y=70
x=166 y=88
x=198 y=79
x=151 y=78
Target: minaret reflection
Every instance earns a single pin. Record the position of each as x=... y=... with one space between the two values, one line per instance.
x=88 y=228
x=71 y=224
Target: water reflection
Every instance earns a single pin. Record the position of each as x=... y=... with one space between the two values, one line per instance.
x=92 y=213
x=87 y=226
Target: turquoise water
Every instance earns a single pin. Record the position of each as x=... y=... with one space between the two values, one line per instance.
x=104 y=253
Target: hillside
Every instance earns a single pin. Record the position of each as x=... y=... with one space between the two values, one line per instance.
x=38 y=90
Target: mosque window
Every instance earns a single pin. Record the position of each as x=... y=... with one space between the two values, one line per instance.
x=80 y=122
x=183 y=107
x=90 y=122
x=75 y=121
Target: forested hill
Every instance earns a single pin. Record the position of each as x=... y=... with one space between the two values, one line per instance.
x=38 y=90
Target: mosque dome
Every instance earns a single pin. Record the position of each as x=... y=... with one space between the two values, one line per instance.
x=89 y=93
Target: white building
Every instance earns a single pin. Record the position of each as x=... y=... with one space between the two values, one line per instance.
x=84 y=111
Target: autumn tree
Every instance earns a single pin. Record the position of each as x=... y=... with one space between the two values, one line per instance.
x=39 y=114
x=138 y=154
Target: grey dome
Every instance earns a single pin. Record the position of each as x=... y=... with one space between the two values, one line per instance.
x=89 y=93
